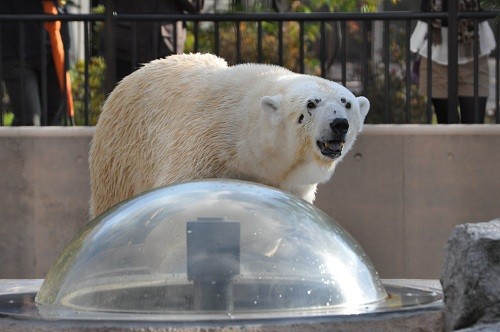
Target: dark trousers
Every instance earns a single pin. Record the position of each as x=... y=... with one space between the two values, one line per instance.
x=124 y=67
x=467 y=110
x=35 y=100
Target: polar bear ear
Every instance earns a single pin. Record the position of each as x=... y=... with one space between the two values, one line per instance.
x=270 y=103
x=364 y=106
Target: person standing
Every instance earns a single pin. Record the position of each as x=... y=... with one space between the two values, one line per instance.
x=152 y=40
x=439 y=49
x=34 y=68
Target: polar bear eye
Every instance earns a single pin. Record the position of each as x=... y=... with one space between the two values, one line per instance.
x=347 y=104
x=311 y=104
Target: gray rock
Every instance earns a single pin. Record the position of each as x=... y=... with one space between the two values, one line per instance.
x=471 y=275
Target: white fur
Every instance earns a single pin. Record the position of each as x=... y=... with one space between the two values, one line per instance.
x=191 y=116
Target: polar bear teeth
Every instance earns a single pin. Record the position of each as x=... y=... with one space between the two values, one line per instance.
x=331 y=149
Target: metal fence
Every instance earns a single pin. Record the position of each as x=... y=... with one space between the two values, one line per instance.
x=367 y=52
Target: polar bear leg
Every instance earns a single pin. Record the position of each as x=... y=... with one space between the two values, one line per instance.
x=306 y=192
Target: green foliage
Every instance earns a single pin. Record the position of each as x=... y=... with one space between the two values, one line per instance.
x=308 y=6
x=8 y=117
x=248 y=34
x=339 y=6
x=97 y=71
x=490 y=4
x=97 y=28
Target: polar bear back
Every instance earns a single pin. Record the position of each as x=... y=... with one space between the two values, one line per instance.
x=167 y=104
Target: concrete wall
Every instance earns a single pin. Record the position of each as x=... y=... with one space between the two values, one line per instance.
x=44 y=190
x=399 y=192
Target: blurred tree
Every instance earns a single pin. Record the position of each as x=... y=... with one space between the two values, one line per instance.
x=97 y=70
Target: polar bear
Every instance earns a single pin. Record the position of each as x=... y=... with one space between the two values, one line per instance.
x=191 y=116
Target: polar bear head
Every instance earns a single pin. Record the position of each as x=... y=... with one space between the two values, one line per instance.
x=325 y=117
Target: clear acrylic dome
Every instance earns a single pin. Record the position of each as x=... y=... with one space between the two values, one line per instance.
x=210 y=249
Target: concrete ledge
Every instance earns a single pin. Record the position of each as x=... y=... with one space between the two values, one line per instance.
x=399 y=192
x=382 y=129
x=6 y=132
x=413 y=129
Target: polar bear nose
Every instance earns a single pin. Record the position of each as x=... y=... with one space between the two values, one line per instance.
x=340 y=126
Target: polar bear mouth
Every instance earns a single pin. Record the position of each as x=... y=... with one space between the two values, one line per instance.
x=331 y=149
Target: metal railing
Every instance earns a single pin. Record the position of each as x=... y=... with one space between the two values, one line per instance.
x=371 y=52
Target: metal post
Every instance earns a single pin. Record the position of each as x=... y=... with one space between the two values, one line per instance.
x=429 y=70
x=2 y=93
x=196 y=36
x=280 y=43
x=365 y=53
x=22 y=54
x=213 y=262
x=86 y=81
x=260 y=56
x=43 y=78
x=343 y=29
x=323 y=49
x=408 y=73
x=216 y=38
x=497 y=76
x=452 y=60
x=476 y=75
x=387 y=76
x=301 y=47
x=238 y=41
x=110 y=46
